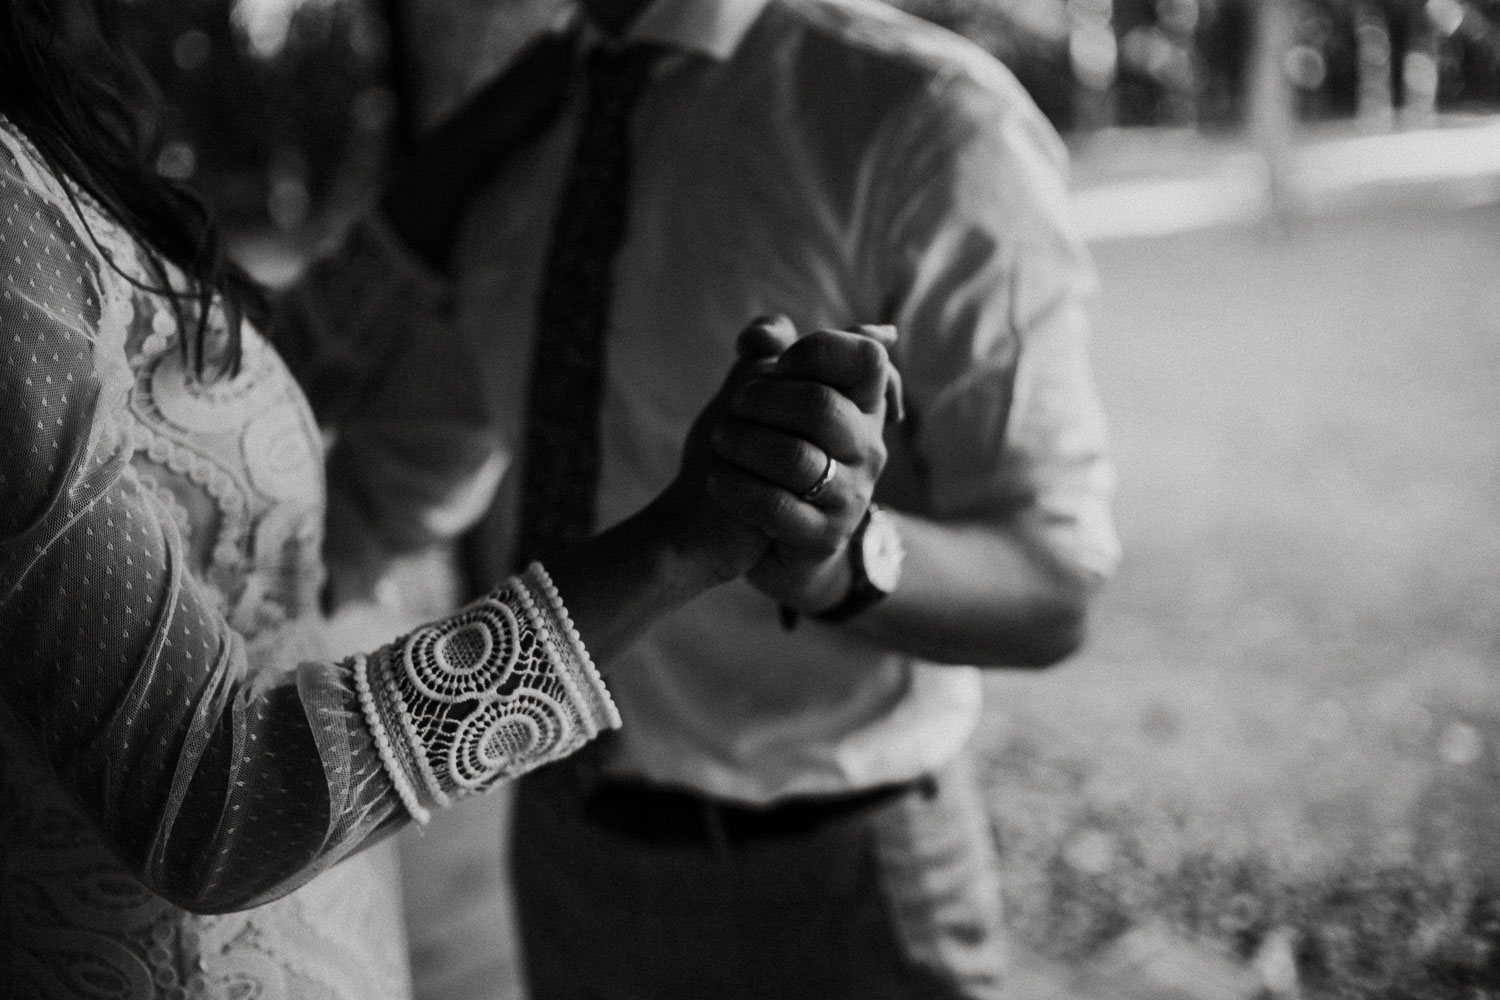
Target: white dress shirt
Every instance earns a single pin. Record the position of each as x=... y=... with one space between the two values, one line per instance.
x=840 y=162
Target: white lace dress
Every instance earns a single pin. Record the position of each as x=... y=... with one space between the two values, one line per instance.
x=172 y=741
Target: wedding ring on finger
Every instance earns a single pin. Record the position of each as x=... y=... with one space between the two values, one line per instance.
x=827 y=477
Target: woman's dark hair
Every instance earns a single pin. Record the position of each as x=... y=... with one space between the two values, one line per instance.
x=94 y=116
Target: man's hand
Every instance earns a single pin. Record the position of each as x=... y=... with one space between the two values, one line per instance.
x=817 y=412
x=686 y=540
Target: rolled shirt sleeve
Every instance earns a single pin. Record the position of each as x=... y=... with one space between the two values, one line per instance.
x=989 y=286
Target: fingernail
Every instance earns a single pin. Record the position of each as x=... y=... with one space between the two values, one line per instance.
x=895 y=412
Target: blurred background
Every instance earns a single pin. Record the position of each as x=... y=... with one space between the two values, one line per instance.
x=285 y=109
x=1275 y=772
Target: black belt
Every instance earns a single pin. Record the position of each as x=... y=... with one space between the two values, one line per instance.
x=650 y=813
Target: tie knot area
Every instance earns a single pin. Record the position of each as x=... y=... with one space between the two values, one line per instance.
x=617 y=76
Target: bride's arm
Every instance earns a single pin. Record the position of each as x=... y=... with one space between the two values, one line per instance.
x=224 y=775
x=220 y=772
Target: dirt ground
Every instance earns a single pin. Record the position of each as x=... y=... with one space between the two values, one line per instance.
x=1287 y=725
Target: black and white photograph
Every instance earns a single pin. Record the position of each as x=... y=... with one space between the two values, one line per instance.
x=750 y=500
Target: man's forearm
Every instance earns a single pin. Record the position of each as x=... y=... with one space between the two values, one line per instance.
x=977 y=593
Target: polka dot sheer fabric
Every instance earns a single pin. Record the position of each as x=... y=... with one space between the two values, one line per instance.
x=172 y=737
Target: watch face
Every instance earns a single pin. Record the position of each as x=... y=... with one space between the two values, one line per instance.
x=882 y=552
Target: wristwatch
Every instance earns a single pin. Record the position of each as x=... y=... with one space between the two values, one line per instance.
x=875 y=556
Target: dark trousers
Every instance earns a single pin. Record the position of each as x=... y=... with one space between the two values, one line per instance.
x=889 y=896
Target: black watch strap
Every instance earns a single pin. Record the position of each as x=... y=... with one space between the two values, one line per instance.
x=858 y=599
x=862 y=592
x=876 y=541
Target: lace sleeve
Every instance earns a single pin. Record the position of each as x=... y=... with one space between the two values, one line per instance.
x=498 y=688
x=224 y=763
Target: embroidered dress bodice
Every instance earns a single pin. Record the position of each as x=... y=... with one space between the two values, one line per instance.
x=173 y=737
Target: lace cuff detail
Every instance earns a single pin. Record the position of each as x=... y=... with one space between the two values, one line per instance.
x=500 y=687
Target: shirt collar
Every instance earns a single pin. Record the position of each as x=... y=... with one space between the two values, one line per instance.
x=713 y=28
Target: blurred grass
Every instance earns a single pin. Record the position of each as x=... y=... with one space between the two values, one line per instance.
x=1287 y=724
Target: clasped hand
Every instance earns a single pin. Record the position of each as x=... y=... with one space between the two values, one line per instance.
x=790 y=412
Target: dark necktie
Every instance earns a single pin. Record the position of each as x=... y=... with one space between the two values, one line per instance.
x=561 y=471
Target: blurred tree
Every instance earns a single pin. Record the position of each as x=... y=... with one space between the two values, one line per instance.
x=1188 y=61
x=1159 y=61
x=1226 y=38
x=1468 y=52
x=280 y=109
